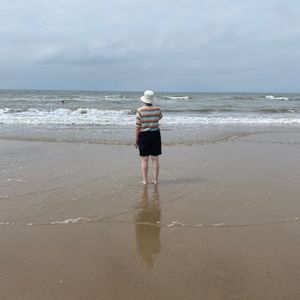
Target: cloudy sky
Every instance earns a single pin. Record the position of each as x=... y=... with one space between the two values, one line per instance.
x=165 y=45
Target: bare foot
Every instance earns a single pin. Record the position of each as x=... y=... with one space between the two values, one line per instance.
x=154 y=181
x=144 y=182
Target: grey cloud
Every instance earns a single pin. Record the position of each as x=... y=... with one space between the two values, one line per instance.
x=84 y=54
x=184 y=44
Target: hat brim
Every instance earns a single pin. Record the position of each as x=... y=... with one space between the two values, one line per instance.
x=145 y=100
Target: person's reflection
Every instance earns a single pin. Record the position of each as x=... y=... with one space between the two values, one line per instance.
x=147 y=226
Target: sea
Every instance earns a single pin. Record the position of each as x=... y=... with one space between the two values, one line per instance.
x=109 y=116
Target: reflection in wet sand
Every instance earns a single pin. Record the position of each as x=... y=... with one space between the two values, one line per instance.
x=147 y=225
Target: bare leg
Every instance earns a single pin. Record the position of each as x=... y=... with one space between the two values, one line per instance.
x=155 y=168
x=144 y=167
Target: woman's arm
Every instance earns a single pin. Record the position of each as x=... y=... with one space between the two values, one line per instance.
x=138 y=127
x=137 y=133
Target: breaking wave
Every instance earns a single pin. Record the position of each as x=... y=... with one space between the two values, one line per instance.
x=93 y=116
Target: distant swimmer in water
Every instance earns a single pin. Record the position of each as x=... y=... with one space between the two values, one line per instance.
x=148 y=138
x=62 y=101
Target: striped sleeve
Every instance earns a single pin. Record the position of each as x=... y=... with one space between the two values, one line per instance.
x=138 y=122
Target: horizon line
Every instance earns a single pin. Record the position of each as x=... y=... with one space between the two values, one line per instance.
x=139 y=91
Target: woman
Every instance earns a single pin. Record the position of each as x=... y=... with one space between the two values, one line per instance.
x=148 y=135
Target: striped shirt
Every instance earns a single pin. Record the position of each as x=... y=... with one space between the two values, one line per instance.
x=147 y=118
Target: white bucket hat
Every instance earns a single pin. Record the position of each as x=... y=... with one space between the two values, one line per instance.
x=148 y=97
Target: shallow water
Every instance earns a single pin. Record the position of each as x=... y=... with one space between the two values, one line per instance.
x=223 y=223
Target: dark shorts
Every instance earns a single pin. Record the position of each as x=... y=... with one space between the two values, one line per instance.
x=150 y=143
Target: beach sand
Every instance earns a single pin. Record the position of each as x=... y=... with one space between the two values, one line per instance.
x=224 y=222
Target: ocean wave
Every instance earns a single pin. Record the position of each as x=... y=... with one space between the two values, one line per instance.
x=78 y=220
x=239 y=97
x=175 y=97
x=168 y=110
x=234 y=120
x=200 y=111
x=84 y=221
x=233 y=110
x=12 y=110
x=277 y=110
x=62 y=116
x=271 y=97
x=117 y=97
x=93 y=116
x=68 y=99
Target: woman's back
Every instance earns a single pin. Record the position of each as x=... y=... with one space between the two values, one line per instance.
x=148 y=117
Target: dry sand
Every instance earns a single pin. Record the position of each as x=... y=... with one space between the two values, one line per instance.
x=224 y=222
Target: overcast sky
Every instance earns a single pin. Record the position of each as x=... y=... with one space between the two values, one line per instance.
x=164 y=45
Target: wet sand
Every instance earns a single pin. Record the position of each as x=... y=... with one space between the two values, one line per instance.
x=224 y=222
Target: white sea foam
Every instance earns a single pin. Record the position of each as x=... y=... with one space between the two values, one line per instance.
x=177 y=97
x=218 y=224
x=175 y=223
x=71 y=221
x=112 y=97
x=246 y=119
x=271 y=97
x=62 y=116
x=93 y=116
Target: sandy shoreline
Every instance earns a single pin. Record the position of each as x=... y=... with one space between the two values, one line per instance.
x=223 y=223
